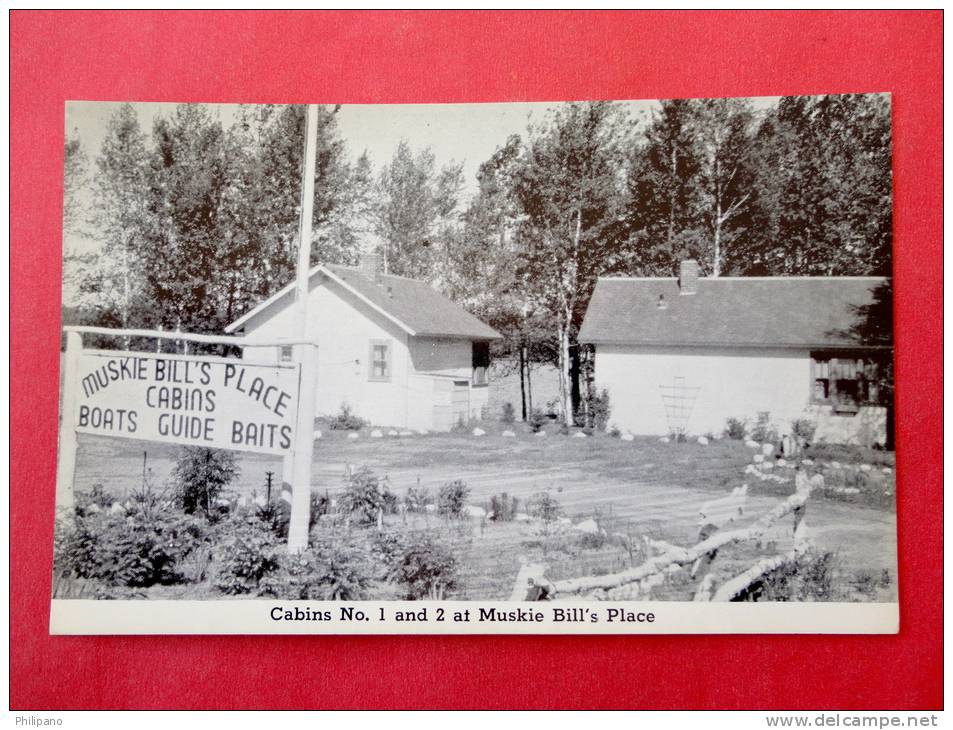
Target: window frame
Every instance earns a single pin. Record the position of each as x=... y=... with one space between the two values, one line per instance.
x=824 y=374
x=484 y=368
x=388 y=361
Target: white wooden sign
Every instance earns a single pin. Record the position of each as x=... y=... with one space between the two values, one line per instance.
x=194 y=400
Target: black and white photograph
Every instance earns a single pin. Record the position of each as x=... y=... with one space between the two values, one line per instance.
x=626 y=354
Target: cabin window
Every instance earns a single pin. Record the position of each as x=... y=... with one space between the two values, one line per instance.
x=380 y=360
x=285 y=353
x=481 y=362
x=845 y=381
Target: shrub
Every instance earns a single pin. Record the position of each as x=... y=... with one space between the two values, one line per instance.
x=200 y=475
x=503 y=507
x=509 y=414
x=277 y=513
x=95 y=500
x=599 y=410
x=345 y=420
x=592 y=540
x=417 y=499
x=367 y=497
x=249 y=556
x=543 y=506
x=425 y=570
x=138 y=548
x=537 y=419
x=763 y=430
x=735 y=428
x=452 y=498
x=803 y=429
x=326 y=572
x=615 y=432
x=809 y=578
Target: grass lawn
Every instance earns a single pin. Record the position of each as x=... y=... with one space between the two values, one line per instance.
x=635 y=488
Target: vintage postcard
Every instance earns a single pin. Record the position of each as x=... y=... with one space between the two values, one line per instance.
x=566 y=367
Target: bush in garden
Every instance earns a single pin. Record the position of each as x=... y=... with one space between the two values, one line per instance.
x=509 y=414
x=503 y=507
x=615 y=432
x=326 y=572
x=134 y=548
x=425 y=570
x=366 y=496
x=763 y=430
x=452 y=498
x=543 y=506
x=345 y=420
x=417 y=499
x=736 y=429
x=277 y=513
x=95 y=500
x=249 y=557
x=200 y=475
x=803 y=429
x=537 y=420
x=599 y=410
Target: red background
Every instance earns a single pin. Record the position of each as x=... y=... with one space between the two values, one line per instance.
x=471 y=57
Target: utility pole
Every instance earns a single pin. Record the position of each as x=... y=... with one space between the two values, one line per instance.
x=305 y=355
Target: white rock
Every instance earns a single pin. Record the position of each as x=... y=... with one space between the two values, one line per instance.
x=579 y=435
x=781 y=462
x=116 y=509
x=430 y=508
x=392 y=432
x=222 y=502
x=767 y=465
x=767 y=449
x=589 y=526
x=317 y=435
x=377 y=434
x=540 y=433
x=508 y=434
x=565 y=521
x=703 y=440
x=887 y=470
x=752 y=444
x=865 y=468
x=242 y=501
x=354 y=435
x=817 y=481
x=663 y=440
x=751 y=469
x=851 y=490
x=471 y=510
x=479 y=432
x=758 y=458
x=423 y=432
x=93 y=509
x=406 y=433
x=835 y=465
x=521 y=517
x=260 y=501
x=807 y=462
x=628 y=437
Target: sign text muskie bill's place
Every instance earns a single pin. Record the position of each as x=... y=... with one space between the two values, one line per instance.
x=199 y=401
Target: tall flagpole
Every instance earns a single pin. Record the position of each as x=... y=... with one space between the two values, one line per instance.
x=305 y=355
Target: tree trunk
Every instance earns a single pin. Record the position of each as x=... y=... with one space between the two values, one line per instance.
x=529 y=387
x=716 y=259
x=523 y=380
x=575 y=371
x=565 y=394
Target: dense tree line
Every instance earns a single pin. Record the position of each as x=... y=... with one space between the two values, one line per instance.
x=196 y=221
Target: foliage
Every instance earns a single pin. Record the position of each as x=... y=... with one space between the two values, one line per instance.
x=803 y=429
x=427 y=569
x=367 y=497
x=346 y=420
x=763 y=430
x=327 y=571
x=277 y=513
x=200 y=475
x=503 y=507
x=543 y=506
x=452 y=498
x=135 y=546
x=614 y=431
x=509 y=414
x=810 y=577
x=417 y=499
x=736 y=428
x=95 y=500
x=537 y=420
x=249 y=555
x=599 y=410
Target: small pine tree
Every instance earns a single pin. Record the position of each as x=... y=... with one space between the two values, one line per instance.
x=200 y=475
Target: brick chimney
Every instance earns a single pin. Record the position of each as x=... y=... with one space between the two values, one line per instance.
x=372 y=266
x=688 y=277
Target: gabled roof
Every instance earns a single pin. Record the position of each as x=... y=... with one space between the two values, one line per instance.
x=412 y=305
x=811 y=312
